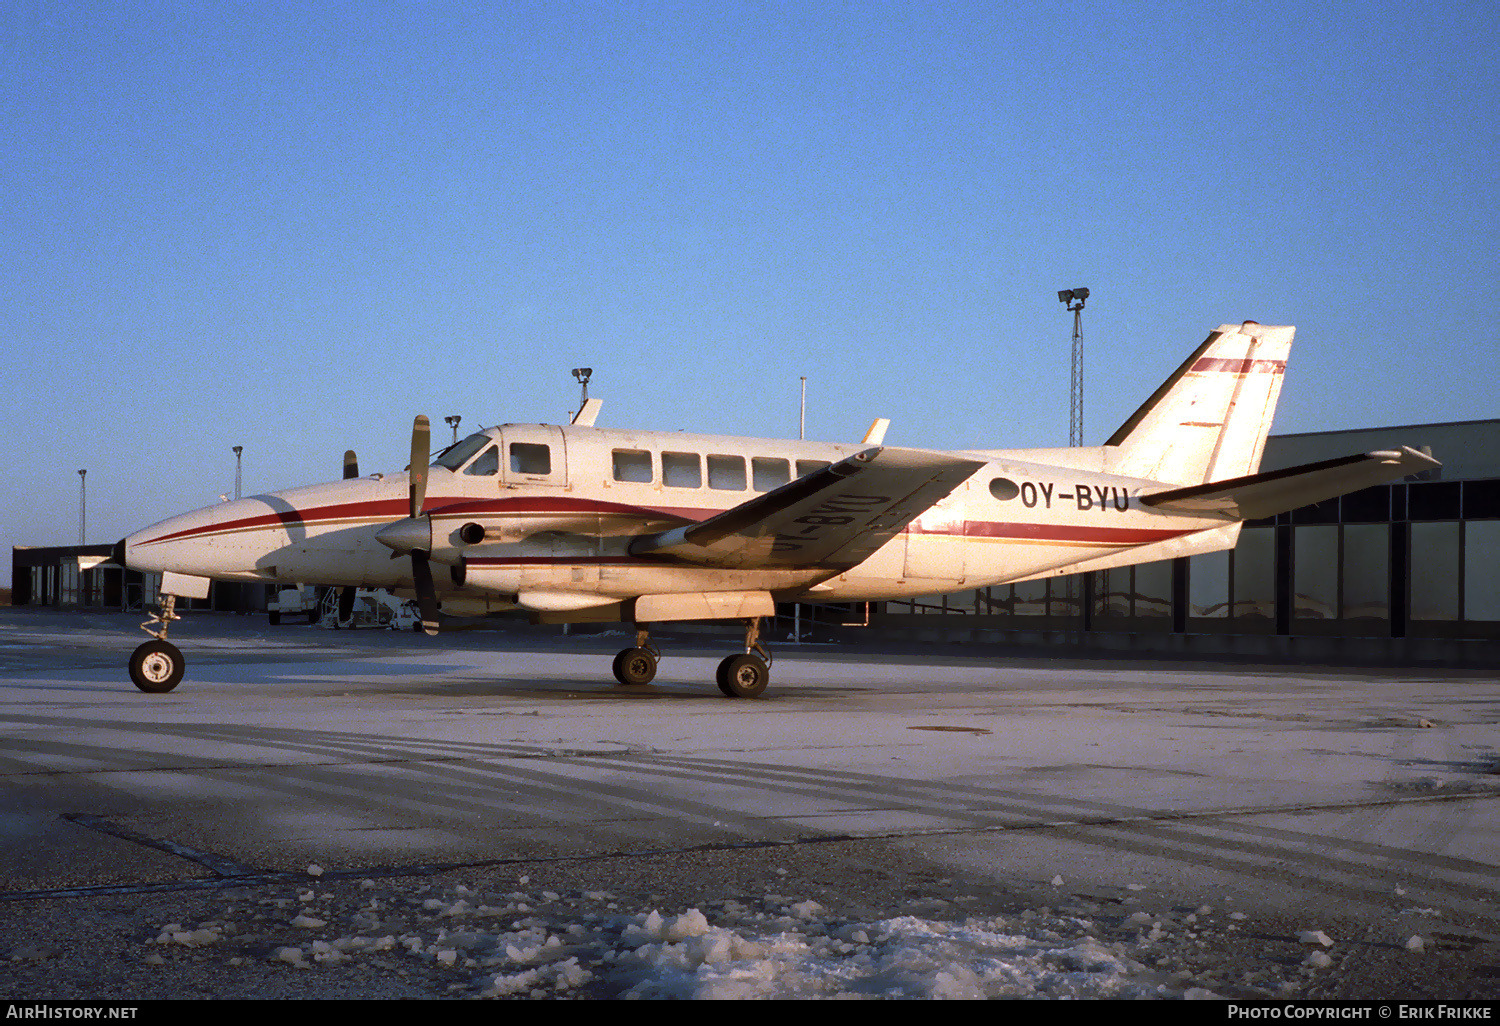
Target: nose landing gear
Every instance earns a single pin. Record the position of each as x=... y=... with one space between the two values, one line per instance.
x=156 y=666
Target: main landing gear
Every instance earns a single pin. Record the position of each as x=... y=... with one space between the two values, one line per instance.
x=739 y=676
x=157 y=665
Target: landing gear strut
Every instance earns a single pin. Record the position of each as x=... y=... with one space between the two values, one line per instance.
x=156 y=666
x=638 y=665
x=746 y=676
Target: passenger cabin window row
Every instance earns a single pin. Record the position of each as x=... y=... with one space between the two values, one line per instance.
x=637 y=466
x=725 y=473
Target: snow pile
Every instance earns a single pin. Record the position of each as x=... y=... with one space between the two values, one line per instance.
x=539 y=943
x=904 y=957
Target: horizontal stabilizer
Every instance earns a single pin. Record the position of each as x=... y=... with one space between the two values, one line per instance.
x=1263 y=495
x=834 y=518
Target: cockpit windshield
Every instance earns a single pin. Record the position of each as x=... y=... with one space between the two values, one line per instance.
x=458 y=454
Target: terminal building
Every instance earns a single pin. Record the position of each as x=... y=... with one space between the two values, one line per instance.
x=1400 y=573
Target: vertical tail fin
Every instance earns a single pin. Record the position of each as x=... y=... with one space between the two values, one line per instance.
x=1210 y=419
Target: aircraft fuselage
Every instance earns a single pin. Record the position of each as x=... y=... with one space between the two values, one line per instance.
x=558 y=518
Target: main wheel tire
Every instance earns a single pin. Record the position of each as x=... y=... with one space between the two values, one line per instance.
x=635 y=666
x=743 y=676
x=274 y=617
x=156 y=666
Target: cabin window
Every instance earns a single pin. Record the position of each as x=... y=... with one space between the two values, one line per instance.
x=681 y=470
x=726 y=473
x=488 y=463
x=769 y=474
x=805 y=467
x=530 y=458
x=632 y=465
x=1003 y=489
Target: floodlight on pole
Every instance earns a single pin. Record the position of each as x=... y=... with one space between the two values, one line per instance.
x=237 y=450
x=583 y=374
x=453 y=423
x=1073 y=299
x=82 y=502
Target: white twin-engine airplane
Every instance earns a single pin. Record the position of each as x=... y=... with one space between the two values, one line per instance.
x=578 y=523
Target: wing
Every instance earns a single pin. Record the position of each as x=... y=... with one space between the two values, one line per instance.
x=833 y=519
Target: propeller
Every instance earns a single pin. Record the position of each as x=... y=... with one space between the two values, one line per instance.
x=414 y=534
x=421 y=568
x=347 y=594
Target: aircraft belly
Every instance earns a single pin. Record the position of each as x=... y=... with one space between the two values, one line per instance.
x=625 y=581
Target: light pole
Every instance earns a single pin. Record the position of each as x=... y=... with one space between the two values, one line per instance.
x=453 y=423
x=82 y=502
x=1073 y=299
x=237 y=450
x=802 y=415
x=1077 y=587
x=801 y=434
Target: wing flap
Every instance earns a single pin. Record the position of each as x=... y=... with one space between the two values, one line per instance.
x=1263 y=495
x=832 y=519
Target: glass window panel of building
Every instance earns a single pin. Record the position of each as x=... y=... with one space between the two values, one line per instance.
x=1482 y=570
x=1434 y=571
x=1031 y=598
x=1255 y=574
x=1367 y=579
x=1152 y=589
x=1067 y=594
x=1315 y=574
x=1208 y=585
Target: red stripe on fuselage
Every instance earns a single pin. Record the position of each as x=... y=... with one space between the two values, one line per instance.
x=1069 y=533
x=396 y=509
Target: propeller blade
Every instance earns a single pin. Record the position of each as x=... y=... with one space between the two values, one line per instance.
x=421 y=572
x=421 y=448
x=351 y=464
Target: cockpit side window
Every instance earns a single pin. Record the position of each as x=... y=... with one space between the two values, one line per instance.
x=456 y=456
x=487 y=464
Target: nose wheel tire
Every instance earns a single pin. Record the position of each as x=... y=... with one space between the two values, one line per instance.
x=635 y=666
x=156 y=666
x=743 y=676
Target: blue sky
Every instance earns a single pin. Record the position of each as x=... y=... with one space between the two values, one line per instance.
x=294 y=227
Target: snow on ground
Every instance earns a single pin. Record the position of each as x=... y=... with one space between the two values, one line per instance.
x=540 y=944
x=281 y=750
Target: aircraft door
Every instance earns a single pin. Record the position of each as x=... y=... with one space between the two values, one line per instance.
x=533 y=454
